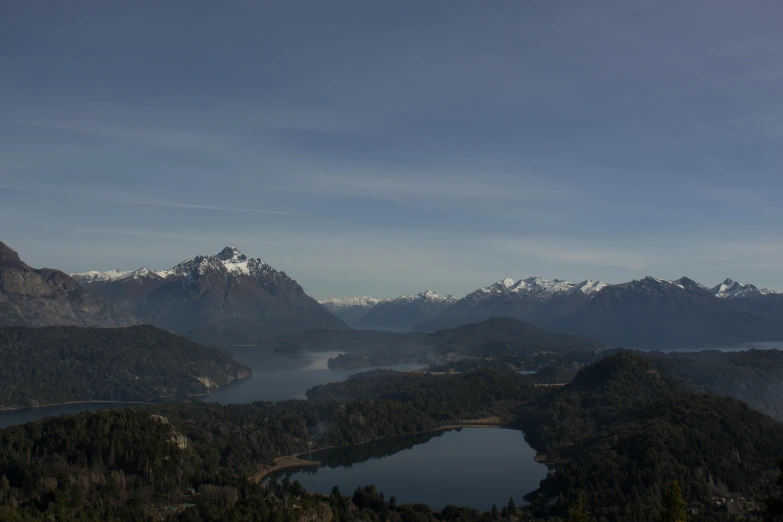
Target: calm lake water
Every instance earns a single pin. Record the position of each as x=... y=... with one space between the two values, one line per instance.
x=471 y=467
x=275 y=377
x=737 y=347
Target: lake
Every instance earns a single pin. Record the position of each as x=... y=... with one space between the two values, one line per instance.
x=473 y=467
x=736 y=347
x=275 y=377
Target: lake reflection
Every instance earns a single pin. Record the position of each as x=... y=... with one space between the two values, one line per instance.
x=472 y=467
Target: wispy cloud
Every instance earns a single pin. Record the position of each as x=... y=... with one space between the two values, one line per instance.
x=129 y=198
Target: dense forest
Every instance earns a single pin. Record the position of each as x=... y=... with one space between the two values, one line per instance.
x=754 y=376
x=633 y=430
x=57 y=364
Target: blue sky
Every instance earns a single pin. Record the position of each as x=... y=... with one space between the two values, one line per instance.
x=386 y=147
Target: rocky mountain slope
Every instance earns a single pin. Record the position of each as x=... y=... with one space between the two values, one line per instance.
x=224 y=298
x=43 y=297
x=656 y=313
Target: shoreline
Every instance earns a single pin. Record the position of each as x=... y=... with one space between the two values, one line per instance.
x=4 y=410
x=294 y=461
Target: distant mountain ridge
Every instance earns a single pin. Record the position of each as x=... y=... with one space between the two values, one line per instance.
x=664 y=313
x=351 y=309
x=404 y=312
x=226 y=297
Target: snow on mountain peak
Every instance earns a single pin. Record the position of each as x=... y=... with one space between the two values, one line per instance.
x=426 y=295
x=540 y=287
x=590 y=287
x=730 y=289
x=230 y=255
x=344 y=302
x=94 y=276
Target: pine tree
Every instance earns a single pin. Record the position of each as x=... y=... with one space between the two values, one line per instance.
x=578 y=512
x=512 y=507
x=494 y=513
x=673 y=505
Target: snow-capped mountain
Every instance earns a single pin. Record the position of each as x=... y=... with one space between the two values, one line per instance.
x=427 y=296
x=217 y=297
x=589 y=287
x=730 y=289
x=540 y=287
x=658 y=313
x=405 y=311
x=99 y=277
x=534 y=299
x=345 y=302
x=351 y=309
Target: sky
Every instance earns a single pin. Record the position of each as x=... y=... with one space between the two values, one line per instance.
x=386 y=147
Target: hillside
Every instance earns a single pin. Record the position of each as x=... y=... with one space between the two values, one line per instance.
x=51 y=365
x=500 y=336
x=503 y=340
x=629 y=426
x=43 y=297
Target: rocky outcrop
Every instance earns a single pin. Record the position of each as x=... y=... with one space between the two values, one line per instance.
x=45 y=297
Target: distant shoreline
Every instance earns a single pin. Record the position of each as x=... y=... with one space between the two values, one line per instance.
x=294 y=461
x=4 y=410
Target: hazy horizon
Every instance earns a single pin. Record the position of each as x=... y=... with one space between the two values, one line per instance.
x=386 y=149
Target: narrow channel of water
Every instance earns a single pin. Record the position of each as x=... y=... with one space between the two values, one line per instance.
x=275 y=377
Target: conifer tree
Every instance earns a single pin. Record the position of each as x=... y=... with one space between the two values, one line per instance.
x=578 y=512
x=673 y=504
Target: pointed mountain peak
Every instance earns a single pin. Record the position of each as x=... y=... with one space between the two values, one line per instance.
x=8 y=254
x=589 y=287
x=231 y=255
x=730 y=289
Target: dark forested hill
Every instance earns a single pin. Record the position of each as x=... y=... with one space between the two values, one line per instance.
x=501 y=336
x=753 y=376
x=501 y=339
x=140 y=363
x=620 y=433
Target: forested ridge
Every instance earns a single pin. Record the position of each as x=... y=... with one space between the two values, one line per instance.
x=57 y=364
x=632 y=431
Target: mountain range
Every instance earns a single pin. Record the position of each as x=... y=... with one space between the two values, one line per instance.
x=648 y=312
x=229 y=298
x=223 y=298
